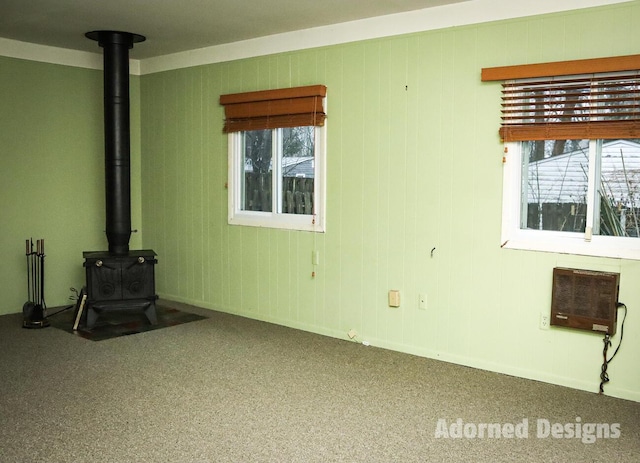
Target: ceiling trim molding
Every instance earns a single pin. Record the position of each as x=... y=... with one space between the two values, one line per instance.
x=54 y=55
x=46 y=54
x=458 y=14
x=441 y=17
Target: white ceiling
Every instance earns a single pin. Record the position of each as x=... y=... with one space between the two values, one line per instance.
x=172 y=26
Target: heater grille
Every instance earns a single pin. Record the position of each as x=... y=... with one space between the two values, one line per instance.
x=585 y=299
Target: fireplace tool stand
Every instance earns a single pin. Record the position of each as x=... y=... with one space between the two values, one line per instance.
x=34 y=311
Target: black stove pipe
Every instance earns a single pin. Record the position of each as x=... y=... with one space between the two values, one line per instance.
x=117 y=131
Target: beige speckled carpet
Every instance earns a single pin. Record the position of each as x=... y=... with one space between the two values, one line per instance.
x=230 y=389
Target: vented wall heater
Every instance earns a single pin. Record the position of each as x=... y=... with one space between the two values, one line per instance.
x=585 y=299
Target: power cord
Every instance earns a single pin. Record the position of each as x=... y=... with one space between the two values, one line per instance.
x=73 y=297
x=59 y=311
x=604 y=376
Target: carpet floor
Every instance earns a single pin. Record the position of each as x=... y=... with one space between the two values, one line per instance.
x=232 y=389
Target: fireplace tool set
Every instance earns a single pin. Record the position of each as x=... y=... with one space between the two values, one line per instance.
x=34 y=310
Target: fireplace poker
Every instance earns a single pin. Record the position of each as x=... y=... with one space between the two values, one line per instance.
x=33 y=275
x=41 y=263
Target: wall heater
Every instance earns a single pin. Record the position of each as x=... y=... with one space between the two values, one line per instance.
x=585 y=299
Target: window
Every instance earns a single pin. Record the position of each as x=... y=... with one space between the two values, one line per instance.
x=573 y=196
x=277 y=158
x=572 y=157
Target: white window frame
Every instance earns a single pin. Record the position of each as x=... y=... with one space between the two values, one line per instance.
x=514 y=237
x=277 y=219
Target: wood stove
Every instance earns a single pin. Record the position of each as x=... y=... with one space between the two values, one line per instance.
x=120 y=282
x=118 y=279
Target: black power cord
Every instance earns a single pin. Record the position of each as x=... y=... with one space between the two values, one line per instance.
x=73 y=298
x=604 y=376
x=61 y=310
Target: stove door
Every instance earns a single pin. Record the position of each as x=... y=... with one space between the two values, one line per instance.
x=138 y=279
x=104 y=281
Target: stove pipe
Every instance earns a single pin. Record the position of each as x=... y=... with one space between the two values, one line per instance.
x=117 y=132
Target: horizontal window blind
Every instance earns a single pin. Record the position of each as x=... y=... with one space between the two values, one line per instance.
x=594 y=106
x=270 y=109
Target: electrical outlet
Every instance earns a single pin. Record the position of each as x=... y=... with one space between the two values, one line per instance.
x=394 y=298
x=422 y=301
x=544 y=321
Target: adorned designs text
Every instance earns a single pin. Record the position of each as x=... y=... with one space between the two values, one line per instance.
x=588 y=433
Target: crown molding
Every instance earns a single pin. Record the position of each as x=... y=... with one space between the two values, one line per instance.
x=458 y=14
x=54 y=55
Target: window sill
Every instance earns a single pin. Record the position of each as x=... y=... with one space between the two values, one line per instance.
x=570 y=243
x=278 y=221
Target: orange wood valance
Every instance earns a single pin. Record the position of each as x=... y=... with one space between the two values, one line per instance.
x=580 y=99
x=268 y=109
x=562 y=68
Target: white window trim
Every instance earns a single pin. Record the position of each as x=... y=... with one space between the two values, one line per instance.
x=312 y=223
x=513 y=237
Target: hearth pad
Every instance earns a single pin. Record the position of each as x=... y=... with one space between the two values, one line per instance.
x=121 y=323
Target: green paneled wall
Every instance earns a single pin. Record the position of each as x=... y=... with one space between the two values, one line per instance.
x=52 y=174
x=414 y=163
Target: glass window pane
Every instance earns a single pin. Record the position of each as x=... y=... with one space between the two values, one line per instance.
x=257 y=168
x=555 y=184
x=619 y=189
x=298 y=170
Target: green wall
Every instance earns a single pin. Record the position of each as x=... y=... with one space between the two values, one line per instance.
x=52 y=174
x=414 y=163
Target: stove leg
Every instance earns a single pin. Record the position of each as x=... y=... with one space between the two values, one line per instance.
x=150 y=312
x=92 y=317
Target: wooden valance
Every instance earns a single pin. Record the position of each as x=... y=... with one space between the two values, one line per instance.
x=562 y=68
x=570 y=100
x=269 y=109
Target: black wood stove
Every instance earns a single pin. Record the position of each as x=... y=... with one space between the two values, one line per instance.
x=120 y=282
x=118 y=279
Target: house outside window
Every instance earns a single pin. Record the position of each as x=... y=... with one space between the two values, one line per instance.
x=556 y=189
x=277 y=165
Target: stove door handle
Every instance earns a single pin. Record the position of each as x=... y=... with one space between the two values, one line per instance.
x=138 y=261
x=100 y=263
